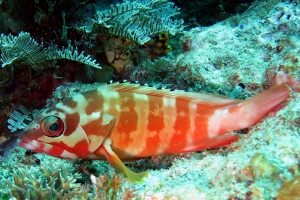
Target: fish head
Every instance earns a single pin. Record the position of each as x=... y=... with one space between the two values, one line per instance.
x=66 y=133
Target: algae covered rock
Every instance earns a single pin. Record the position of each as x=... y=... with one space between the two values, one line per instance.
x=290 y=190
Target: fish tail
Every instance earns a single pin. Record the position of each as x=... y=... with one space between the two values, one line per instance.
x=252 y=110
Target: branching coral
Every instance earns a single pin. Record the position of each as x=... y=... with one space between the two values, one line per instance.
x=55 y=182
x=59 y=181
x=112 y=187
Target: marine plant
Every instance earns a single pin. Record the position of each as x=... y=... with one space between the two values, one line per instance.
x=133 y=21
x=137 y=20
x=23 y=50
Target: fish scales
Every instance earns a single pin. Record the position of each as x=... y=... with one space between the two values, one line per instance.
x=126 y=121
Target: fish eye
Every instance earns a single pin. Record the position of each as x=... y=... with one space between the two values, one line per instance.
x=52 y=126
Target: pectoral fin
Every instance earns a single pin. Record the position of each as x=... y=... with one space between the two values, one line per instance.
x=103 y=123
x=118 y=165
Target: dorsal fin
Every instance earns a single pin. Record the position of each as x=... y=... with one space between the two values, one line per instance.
x=178 y=94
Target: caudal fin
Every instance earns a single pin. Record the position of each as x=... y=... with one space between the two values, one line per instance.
x=252 y=110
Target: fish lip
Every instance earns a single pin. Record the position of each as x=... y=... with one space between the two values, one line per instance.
x=44 y=148
x=27 y=142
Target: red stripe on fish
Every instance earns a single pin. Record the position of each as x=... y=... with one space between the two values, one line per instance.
x=72 y=121
x=128 y=121
x=95 y=101
x=127 y=114
x=181 y=126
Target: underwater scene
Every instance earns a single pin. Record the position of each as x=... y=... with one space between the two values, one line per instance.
x=150 y=99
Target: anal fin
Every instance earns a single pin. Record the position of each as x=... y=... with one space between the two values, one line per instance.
x=219 y=141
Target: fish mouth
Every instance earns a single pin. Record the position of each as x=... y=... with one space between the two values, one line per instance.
x=34 y=145
x=29 y=143
x=40 y=147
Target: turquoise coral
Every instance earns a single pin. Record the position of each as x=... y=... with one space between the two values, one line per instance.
x=55 y=182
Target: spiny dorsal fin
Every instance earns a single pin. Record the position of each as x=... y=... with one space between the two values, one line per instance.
x=178 y=94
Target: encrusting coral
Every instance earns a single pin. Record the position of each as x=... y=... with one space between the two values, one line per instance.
x=290 y=190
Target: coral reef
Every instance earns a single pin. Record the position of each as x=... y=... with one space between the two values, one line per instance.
x=290 y=189
x=54 y=182
x=208 y=12
x=60 y=181
x=113 y=187
x=258 y=48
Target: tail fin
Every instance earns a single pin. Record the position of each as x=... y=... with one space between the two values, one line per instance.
x=252 y=110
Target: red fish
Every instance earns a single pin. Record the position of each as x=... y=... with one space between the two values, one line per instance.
x=128 y=122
